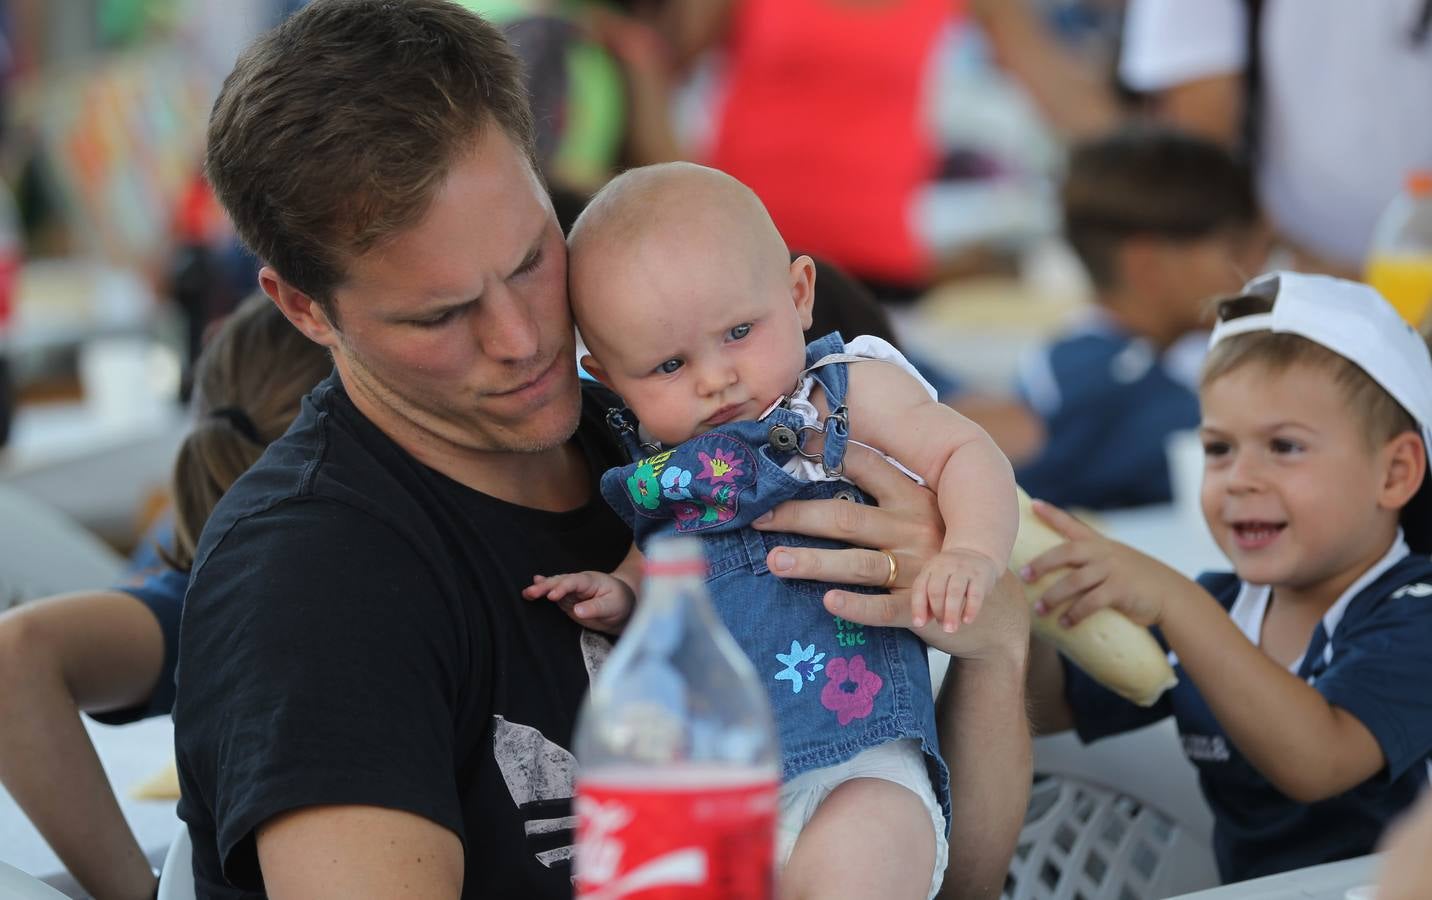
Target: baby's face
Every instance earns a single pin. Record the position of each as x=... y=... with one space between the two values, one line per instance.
x=1290 y=485
x=691 y=344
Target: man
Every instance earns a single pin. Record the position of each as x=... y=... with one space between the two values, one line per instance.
x=366 y=707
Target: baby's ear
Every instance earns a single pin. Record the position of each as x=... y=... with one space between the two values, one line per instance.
x=802 y=283
x=595 y=369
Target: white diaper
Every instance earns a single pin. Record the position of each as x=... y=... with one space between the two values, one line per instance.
x=901 y=762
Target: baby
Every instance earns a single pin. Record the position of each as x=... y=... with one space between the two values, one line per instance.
x=693 y=312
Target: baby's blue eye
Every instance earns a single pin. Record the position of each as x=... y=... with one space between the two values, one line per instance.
x=1215 y=448
x=671 y=365
x=740 y=331
x=1282 y=445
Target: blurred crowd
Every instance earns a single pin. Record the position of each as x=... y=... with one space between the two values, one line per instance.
x=936 y=157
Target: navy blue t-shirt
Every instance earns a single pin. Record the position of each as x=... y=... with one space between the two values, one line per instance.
x=1377 y=666
x=1109 y=401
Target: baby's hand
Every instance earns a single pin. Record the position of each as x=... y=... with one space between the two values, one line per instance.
x=952 y=588
x=597 y=600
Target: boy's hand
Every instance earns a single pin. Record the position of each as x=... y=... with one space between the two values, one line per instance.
x=952 y=587
x=1101 y=573
x=596 y=600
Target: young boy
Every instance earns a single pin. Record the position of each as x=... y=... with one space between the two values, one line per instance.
x=1163 y=222
x=694 y=313
x=1303 y=694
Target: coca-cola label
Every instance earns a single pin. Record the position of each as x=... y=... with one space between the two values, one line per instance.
x=684 y=843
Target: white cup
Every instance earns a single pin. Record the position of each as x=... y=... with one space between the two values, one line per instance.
x=127 y=379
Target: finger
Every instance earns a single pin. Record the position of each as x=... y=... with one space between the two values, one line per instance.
x=886 y=610
x=953 y=589
x=874 y=475
x=1085 y=606
x=1076 y=583
x=849 y=566
x=604 y=607
x=920 y=607
x=1066 y=555
x=974 y=601
x=1061 y=521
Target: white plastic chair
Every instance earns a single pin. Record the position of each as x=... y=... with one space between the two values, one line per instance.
x=17 y=885
x=176 y=879
x=1120 y=819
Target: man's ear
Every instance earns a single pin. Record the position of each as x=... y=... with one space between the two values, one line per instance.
x=802 y=282
x=1404 y=470
x=300 y=309
x=596 y=370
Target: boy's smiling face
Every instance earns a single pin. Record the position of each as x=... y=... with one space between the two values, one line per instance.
x=1293 y=492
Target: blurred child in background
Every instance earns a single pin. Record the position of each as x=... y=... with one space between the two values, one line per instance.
x=1303 y=695
x=1163 y=222
x=112 y=653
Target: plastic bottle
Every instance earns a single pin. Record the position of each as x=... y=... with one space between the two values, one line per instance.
x=1399 y=263
x=679 y=766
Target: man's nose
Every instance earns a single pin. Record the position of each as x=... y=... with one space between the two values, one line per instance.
x=506 y=330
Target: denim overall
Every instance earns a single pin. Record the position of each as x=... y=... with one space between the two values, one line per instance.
x=837 y=688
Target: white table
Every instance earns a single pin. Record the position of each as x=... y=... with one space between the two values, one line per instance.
x=1327 y=882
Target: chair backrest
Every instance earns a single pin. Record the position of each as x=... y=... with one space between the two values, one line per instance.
x=1120 y=819
x=17 y=885
x=176 y=879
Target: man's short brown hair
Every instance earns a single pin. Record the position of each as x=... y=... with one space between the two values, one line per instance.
x=1150 y=180
x=335 y=130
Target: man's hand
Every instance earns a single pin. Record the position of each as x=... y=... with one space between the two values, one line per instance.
x=596 y=600
x=907 y=524
x=1101 y=573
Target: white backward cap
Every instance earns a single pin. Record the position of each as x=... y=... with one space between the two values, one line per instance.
x=1352 y=320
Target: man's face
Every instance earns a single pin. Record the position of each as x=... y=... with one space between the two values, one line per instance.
x=456 y=333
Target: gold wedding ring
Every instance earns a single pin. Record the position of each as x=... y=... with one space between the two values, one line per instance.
x=894 y=570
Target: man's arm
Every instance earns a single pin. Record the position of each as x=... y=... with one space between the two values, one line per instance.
x=984 y=738
x=358 y=852
x=1071 y=94
x=984 y=734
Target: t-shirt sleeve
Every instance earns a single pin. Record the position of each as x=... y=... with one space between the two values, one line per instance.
x=1099 y=712
x=1380 y=672
x=1170 y=42
x=162 y=593
x=324 y=670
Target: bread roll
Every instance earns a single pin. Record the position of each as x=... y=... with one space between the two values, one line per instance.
x=1118 y=654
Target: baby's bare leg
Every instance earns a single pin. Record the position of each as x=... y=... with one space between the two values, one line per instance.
x=869 y=838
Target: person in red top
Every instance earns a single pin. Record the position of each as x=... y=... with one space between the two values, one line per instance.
x=822 y=110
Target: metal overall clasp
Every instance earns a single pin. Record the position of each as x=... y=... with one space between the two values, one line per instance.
x=785 y=439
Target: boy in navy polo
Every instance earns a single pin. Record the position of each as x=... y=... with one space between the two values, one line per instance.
x=1303 y=696
x=1162 y=222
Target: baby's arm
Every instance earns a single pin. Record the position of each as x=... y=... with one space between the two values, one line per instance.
x=973 y=480
x=598 y=600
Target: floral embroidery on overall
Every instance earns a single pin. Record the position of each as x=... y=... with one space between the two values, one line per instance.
x=698 y=488
x=801 y=664
x=850 y=692
x=642 y=484
x=723 y=468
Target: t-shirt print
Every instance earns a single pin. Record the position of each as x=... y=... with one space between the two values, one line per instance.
x=540 y=774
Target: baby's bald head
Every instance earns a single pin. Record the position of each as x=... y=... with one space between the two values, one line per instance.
x=652 y=224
